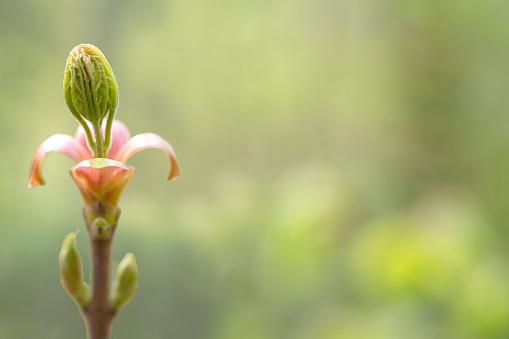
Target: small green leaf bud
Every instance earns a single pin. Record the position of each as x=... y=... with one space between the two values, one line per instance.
x=71 y=271
x=101 y=229
x=126 y=282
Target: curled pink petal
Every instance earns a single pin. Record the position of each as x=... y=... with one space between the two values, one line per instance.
x=119 y=136
x=150 y=140
x=61 y=143
x=101 y=180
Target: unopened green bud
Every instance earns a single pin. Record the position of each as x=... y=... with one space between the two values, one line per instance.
x=71 y=271
x=126 y=281
x=91 y=93
x=101 y=229
x=90 y=88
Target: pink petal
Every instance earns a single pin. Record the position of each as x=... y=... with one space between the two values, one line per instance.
x=81 y=137
x=119 y=136
x=61 y=143
x=150 y=140
x=101 y=180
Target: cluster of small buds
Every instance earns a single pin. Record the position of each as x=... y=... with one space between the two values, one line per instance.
x=71 y=274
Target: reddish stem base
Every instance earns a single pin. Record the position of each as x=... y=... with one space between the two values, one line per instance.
x=99 y=315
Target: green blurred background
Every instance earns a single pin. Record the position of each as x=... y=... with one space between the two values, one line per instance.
x=344 y=167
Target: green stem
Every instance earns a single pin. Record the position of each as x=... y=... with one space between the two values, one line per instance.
x=99 y=149
x=90 y=138
x=107 y=134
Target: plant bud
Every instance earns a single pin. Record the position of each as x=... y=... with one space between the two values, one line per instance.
x=126 y=281
x=90 y=87
x=71 y=271
x=101 y=229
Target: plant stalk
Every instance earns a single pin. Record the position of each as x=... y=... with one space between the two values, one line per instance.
x=99 y=142
x=99 y=315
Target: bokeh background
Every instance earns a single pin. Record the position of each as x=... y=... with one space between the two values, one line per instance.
x=344 y=167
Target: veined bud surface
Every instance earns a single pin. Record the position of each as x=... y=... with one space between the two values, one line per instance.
x=90 y=87
x=126 y=281
x=71 y=271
